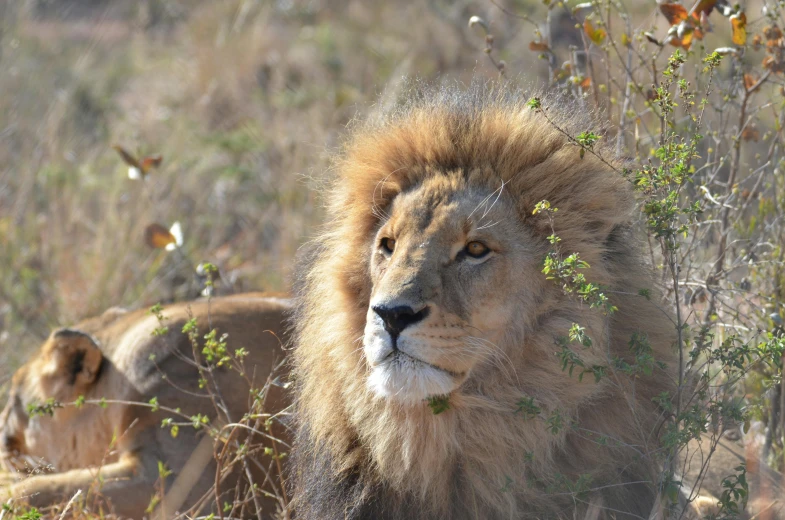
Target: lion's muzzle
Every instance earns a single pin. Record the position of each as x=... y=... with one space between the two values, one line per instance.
x=401 y=367
x=397 y=318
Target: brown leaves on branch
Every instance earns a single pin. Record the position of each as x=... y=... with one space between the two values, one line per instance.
x=538 y=47
x=738 y=24
x=772 y=34
x=681 y=35
x=775 y=49
x=694 y=24
x=675 y=13
x=596 y=35
x=684 y=25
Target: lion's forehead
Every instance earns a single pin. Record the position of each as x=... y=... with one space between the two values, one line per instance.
x=437 y=207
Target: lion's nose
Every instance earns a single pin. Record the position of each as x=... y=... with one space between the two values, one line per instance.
x=398 y=318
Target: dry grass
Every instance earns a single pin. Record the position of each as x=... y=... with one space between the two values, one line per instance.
x=242 y=99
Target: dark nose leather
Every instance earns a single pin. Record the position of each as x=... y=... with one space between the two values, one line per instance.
x=398 y=318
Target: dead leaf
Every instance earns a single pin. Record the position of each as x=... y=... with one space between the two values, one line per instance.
x=739 y=28
x=772 y=32
x=597 y=36
x=675 y=13
x=749 y=81
x=538 y=47
x=750 y=133
x=681 y=36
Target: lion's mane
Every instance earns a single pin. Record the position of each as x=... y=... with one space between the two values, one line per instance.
x=359 y=456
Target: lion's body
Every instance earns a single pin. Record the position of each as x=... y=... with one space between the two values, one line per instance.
x=125 y=440
x=521 y=434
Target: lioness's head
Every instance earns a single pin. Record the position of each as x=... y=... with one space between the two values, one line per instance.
x=447 y=268
x=65 y=367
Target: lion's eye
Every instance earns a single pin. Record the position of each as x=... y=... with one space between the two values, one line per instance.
x=477 y=249
x=388 y=244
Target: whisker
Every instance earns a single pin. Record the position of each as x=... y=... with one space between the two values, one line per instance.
x=484 y=203
x=501 y=188
x=376 y=210
x=486 y=226
x=498 y=354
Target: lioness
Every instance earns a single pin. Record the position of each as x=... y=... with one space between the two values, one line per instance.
x=114 y=448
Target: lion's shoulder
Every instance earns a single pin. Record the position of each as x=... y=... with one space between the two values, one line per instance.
x=143 y=346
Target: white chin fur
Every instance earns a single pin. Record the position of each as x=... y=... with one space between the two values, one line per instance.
x=409 y=381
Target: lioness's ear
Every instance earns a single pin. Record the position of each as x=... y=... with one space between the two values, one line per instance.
x=74 y=356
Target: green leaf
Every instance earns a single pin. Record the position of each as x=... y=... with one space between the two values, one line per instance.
x=439 y=403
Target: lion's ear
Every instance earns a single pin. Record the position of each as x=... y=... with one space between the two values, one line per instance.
x=75 y=356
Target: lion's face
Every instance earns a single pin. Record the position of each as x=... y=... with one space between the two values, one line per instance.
x=64 y=368
x=447 y=269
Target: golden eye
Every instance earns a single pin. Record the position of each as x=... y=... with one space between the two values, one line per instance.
x=477 y=249
x=388 y=244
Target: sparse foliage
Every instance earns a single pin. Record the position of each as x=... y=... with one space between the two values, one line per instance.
x=708 y=154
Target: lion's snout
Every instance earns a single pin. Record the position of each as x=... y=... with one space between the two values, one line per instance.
x=405 y=348
x=397 y=318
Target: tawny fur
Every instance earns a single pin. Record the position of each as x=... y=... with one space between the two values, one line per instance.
x=113 y=452
x=361 y=456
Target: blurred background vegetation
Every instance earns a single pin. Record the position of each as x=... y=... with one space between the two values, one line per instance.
x=244 y=100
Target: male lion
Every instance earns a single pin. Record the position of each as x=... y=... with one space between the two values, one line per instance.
x=115 y=450
x=434 y=375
